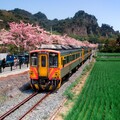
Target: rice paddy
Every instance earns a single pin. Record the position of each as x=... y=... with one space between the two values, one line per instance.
x=100 y=97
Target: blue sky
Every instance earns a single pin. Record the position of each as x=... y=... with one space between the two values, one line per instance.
x=106 y=11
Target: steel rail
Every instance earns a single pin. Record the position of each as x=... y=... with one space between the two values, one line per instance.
x=17 y=106
x=35 y=105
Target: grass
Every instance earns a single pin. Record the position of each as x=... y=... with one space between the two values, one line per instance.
x=108 y=57
x=3 y=98
x=100 y=97
x=108 y=54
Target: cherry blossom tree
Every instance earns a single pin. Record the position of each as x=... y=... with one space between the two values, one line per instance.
x=26 y=37
x=4 y=36
x=3 y=39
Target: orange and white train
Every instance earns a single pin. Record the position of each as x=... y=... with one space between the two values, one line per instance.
x=48 y=67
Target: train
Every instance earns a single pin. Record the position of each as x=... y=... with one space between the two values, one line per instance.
x=50 y=65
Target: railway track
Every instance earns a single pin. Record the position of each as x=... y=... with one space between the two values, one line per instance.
x=22 y=103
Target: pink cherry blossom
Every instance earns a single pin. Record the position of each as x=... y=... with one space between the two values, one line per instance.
x=28 y=37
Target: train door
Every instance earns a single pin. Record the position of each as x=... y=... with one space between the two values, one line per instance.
x=83 y=54
x=43 y=65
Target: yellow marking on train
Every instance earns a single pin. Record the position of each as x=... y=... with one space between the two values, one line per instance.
x=36 y=86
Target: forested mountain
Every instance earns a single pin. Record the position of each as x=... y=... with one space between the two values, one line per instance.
x=81 y=25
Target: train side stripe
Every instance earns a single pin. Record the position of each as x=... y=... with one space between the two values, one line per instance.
x=36 y=72
x=51 y=73
x=72 y=61
x=50 y=70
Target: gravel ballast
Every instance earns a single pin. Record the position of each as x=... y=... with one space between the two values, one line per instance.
x=15 y=93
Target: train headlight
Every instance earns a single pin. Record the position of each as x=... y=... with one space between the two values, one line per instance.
x=56 y=75
x=31 y=72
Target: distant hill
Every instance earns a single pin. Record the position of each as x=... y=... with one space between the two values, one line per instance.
x=80 y=25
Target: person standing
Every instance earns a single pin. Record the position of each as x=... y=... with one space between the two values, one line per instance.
x=3 y=63
x=15 y=62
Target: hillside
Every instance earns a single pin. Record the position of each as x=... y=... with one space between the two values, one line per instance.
x=80 y=25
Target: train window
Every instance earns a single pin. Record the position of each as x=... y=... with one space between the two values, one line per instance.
x=67 y=59
x=62 y=61
x=33 y=61
x=73 y=56
x=80 y=54
x=76 y=55
x=43 y=61
x=70 y=58
x=53 y=60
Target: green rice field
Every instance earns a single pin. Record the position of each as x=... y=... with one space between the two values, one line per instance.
x=108 y=54
x=100 y=97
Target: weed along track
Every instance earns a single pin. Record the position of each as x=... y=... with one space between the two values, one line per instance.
x=17 y=107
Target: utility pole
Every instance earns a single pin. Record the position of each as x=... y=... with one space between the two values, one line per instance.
x=51 y=30
x=1 y=23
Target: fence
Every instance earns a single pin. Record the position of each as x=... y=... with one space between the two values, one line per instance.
x=13 y=67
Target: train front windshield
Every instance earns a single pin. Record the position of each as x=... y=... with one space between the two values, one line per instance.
x=33 y=59
x=53 y=60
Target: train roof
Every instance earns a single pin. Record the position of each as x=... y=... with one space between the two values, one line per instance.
x=59 y=48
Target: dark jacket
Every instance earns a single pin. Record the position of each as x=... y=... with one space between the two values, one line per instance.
x=3 y=63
